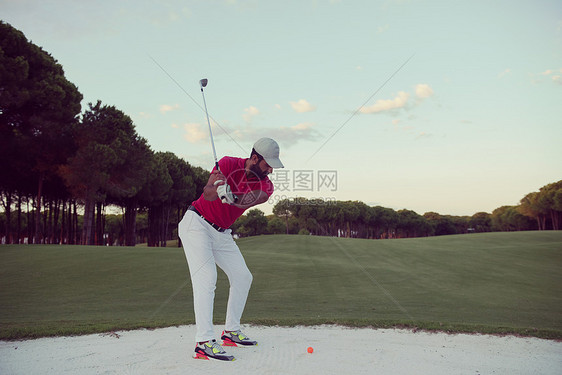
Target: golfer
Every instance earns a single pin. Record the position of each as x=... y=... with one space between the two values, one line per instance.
x=238 y=185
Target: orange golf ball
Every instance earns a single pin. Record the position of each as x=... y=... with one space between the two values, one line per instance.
x=310 y=349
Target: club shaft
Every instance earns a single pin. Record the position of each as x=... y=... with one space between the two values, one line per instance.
x=210 y=131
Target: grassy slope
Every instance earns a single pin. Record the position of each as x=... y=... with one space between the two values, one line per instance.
x=494 y=282
x=490 y=282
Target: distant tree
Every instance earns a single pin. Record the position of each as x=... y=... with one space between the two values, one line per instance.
x=410 y=224
x=481 y=222
x=187 y=183
x=361 y=223
x=155 y=195
x=461 y=223
x=508 y=218
x=550 y=197
x=533 y=207
x=39 y=111
x=255 y=223
x=356 y=219
x=383 y=221
x=302 y=210
x=200 y=178
x=327 y=218
x=112 y=162
x=115 y=229
x=557 y=203
x=133 y=179
x=283 y=210
x=348 y=213
x=441 y=225
x=275 y=225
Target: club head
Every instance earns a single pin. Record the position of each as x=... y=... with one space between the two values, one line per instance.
x=203 y=82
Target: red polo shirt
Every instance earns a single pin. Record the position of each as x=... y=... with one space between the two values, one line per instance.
x=223 y=214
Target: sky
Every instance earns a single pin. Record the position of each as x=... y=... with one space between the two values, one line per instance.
x=445 y=106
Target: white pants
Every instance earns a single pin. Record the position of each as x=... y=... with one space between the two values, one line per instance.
x=204 y=247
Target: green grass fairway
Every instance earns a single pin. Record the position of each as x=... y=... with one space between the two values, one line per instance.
x=491 y=283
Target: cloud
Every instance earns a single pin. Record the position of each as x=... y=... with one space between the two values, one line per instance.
x=251 y=111
x=382 y=29
x=302 y=106
x=401 y=100
x=194 y=132
x=290 y=135
x=287 y=135
x=302 y=126
x=164 y=108
x=423 y=91
x=167 y=14
x=555 y=76
x=504 y=73
x=422 y=135
x=387 y=104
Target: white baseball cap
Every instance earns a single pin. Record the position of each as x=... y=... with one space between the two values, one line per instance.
x=269 y=149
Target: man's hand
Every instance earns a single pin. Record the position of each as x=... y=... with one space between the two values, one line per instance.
x=225 y=193
x=210 y=190
x=215 y=178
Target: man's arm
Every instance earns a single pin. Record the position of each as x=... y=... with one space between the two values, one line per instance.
x=210 y=190
x=251 y=199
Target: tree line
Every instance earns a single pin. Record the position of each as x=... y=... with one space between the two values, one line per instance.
x=61 y=167
x=540 y=210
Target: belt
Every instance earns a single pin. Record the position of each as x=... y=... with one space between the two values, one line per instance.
x=191 y=208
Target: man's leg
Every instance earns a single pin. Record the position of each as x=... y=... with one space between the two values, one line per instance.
x=197 y=245
x=229 y=258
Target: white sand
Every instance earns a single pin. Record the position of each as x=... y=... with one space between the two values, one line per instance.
x=337 y=350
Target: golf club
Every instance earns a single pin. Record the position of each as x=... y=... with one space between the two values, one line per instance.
x=203 y=83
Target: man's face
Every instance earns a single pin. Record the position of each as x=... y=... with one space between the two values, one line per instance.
x=261 y=169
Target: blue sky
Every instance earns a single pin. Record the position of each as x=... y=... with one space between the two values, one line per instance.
x=464 y=112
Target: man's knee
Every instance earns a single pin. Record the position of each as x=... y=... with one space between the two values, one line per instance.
x=245 y=278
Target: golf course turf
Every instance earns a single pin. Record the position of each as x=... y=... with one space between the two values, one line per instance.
x=488 y=283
